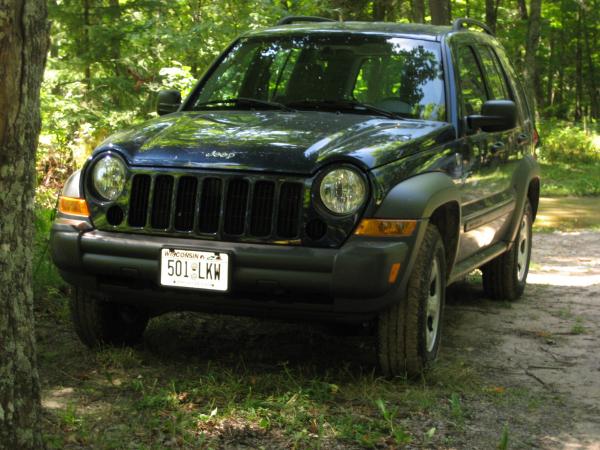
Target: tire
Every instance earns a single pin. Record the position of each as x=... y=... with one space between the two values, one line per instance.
x=97 y=321
x=409 y=331
x=505 y=277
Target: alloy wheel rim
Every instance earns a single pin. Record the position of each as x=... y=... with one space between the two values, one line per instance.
x=523 y=248
x=434 y=302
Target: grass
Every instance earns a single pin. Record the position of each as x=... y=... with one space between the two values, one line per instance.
x=560 y=179
x=216 y=382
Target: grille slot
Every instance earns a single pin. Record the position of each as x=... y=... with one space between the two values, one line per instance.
x=186 y=203
x=288 y=216
x=138 y=200
x=235 y=209
x=210 y=205
x=261 y=219
x=161 y=202
x=223 y=205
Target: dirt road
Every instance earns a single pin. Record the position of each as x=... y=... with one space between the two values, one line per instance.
x=547 y=342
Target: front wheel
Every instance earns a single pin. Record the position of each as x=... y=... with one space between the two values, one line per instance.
x=97 y=321
x=409 y=331
x=505 y=277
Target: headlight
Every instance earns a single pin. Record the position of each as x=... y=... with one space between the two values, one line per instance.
x=342 y=191
x=108 y=176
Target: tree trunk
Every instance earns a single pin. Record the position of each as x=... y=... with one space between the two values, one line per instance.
x=23 y=46
x=549 y=100
x=115 y=47
x=384 y=10
x=87 y=72
x=440 y=12
x=491 y=13
x=593 y=90
x=522 y=9
x=533 y=41
x=417 y=11
x=579 y=69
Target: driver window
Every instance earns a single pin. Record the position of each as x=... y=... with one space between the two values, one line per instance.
x=471 y=82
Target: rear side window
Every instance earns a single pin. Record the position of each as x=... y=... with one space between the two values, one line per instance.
x=471 y=81
x=517 y=88
x=496 y=81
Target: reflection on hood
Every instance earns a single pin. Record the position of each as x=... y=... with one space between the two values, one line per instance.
x=275 y=141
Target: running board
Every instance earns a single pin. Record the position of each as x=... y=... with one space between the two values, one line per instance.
x=477 y=260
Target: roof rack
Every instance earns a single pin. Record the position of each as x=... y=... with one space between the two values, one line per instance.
x=292 y=19
x=458 y=25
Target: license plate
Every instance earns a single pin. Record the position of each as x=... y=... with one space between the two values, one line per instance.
x=194 y=269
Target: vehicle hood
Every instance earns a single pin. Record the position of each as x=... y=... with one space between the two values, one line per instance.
x=275 y=141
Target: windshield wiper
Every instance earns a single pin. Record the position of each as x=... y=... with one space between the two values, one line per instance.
x=245 y=100
x=347 y=105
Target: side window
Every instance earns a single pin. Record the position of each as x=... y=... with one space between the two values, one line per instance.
x=496 y=81
x=517 y=88
x=471 y=81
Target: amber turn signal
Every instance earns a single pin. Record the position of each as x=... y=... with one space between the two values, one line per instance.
x=386 y=227
x=73 y=206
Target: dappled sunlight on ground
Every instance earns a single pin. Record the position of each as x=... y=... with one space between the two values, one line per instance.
x=568 y=213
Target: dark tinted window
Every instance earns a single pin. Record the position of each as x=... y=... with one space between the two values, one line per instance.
x=519 y=95
x=496 y=81
x=471 y=81
x=403 y=76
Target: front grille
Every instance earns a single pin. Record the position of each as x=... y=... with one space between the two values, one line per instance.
x=222 y=206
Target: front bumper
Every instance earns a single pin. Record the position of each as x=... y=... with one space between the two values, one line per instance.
x=349 y=284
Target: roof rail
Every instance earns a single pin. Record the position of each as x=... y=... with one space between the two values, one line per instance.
x=291 y=19
x=457 y=25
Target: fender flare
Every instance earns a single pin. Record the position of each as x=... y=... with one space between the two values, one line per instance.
x=527 y=171
x=418 y=197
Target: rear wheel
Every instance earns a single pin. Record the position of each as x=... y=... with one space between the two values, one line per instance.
x=97 y=321
x=409 y=331
x=505 y=277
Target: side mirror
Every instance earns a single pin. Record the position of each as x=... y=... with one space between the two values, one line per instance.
x=496 y=115
x=168 y=102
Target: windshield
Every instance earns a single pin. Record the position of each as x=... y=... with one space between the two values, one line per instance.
x=328 y=72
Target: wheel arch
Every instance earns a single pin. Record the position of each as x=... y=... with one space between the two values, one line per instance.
x=447 y=220
x=533 y=193
x=431 y=197
x=526 y=182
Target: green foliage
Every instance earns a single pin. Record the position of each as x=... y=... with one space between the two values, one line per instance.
x=48 y=287
x=569 y=143
x=563 y=179
x=503 y=444
x=109 y=58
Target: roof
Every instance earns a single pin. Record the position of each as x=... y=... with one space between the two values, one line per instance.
x=406 y=30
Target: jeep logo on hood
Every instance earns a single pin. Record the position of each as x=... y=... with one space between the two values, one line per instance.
x=220 y=155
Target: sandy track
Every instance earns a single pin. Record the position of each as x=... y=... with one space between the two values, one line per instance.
x=549 y=340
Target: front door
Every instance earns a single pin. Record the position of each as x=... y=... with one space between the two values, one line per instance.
x=487 y=195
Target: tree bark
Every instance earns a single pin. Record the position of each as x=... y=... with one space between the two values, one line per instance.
x=23 y=46
x=384 y=10
x=523 y=9
x=532 y=44
x=417 y=11
x=593 y=90
x=549 y=100
x=440 y=12
x=579 y=69
x=491 y=13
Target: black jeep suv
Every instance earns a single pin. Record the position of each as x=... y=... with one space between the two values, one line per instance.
x=320 y=170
